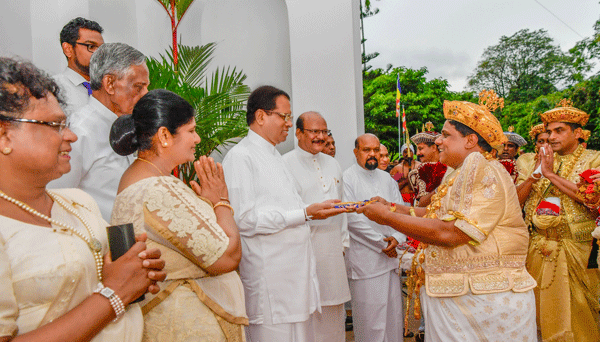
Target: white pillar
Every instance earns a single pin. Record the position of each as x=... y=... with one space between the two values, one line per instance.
x=326 y=74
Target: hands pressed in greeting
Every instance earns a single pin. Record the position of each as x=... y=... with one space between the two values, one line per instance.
x=211 y=180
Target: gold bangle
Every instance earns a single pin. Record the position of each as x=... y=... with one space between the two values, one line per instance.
x=412 y=211
x=223 y=204
x=225 y=199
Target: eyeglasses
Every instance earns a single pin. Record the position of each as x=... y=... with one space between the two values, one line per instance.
x=285 y=116
x=317 y=131
x=90 y=47
x=58 y=126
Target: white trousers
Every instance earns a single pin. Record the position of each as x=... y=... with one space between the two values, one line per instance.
x=285 y=332
x=377 y=308
x=330 y=324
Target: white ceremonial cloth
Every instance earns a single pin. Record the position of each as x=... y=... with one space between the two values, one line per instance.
x=319 y=178
x=95 y=167
x=278 y=264
x=75 y=93
x=377 y=308
x=502 y=316
x=364 y=259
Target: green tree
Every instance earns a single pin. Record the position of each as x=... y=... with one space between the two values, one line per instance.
x=422 y=100
x=523 y=66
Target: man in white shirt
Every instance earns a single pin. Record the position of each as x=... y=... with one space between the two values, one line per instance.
x=372 y=258
x=319 y=178
x=278 y=264
x=79 y=39
x=119 y=78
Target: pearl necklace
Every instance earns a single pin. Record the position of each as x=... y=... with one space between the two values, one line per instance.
x=93 y=243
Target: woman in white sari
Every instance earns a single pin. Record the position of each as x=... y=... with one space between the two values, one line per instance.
x=57 y=282
x=194 y=229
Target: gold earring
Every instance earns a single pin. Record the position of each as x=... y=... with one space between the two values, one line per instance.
x=7 y=150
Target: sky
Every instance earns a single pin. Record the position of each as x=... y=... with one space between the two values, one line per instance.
x=449 y=36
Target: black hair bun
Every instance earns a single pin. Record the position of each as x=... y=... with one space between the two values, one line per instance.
x=123 y=139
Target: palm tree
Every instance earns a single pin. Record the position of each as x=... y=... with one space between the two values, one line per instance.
x=175 y=10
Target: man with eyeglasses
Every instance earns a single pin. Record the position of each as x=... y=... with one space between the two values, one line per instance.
x=278 y=268
x=119 y=78
x=372 y=259
x=79 y=39
x=318 y=178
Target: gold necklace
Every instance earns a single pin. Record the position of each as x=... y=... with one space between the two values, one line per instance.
x=151 y=163
x=416 y=274
x=93 y=243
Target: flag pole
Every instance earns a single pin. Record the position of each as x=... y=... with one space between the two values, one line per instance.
x=398 y=92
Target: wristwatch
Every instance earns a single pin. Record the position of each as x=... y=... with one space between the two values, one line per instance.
x=113 y=298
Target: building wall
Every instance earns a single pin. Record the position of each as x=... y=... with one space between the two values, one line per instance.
x=309 y=48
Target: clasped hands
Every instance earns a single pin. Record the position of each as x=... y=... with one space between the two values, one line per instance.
x=375 y=211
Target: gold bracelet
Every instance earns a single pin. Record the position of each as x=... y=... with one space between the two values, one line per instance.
x=225 y=199
x=412 y=211
x=223 y=204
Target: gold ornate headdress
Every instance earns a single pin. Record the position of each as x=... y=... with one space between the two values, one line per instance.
x=565 y=112
x=479 y=117
x=535 y=130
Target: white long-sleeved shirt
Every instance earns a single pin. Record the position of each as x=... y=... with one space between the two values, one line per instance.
x=95 y=167
x=278 y=264
x=318 y=178
x=75 y=93
x=364 y=257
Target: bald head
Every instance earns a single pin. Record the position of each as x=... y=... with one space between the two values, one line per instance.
x=311 y=131
x=362 y=138
x=367 y=151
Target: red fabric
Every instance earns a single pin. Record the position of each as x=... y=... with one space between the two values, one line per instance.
x=550 y=206
x=511 y=167
x=408 y=197
x=432 y=174
x=587 y=174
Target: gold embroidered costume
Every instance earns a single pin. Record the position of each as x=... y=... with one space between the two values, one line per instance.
x=483 y=201
x=567 y=296
x=478 y=291
x=192 y=304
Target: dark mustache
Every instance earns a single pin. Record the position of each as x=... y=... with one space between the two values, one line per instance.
x=372 y=158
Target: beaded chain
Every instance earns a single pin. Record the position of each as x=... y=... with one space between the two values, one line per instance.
x=93 y=243
x=564 y=173
x=416 y=275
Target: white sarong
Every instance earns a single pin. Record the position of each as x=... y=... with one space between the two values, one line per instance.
x=504 y=316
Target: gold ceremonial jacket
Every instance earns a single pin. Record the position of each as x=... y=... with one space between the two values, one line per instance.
x=482 y=199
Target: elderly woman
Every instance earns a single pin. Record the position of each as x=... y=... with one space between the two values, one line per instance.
x=57 y=282
x=194 y=229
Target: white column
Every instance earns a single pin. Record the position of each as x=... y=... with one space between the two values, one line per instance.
x=326 y=76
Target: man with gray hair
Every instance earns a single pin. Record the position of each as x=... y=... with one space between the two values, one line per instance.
x=119 y=78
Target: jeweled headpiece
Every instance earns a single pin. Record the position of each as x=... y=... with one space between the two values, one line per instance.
x=536 y=130
x=514 y=137
x=479 y=117
x=565 y=112
x=427 y=136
